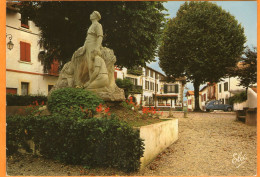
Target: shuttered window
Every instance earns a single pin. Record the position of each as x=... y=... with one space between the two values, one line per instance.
x=115 y=75
x=54 y=68
x=11 y=90
x=171 y=88
x=25 y=51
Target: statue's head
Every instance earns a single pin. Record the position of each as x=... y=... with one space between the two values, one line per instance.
x=95 y=15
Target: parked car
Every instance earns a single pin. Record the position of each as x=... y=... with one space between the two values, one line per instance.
x=217 y=105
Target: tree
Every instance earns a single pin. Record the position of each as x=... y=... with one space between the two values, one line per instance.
x=125 y=84
x=201 y=42
x=131 y=29
x=247 y=73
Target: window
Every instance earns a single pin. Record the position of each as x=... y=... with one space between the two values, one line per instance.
x=11 y=90
x=49 y=87
x=147 y=85
x=156 y=76
x=160 y=100
x=115 y=75
x=151 y=86
x=24 y=21
x=133 y=80
x=204 y=97
x=25 y=51
x=151 y=73
x=24 y=88
x=147 y=72
x=171 y=89
x=54 y=68
x=156 y=87
x=219 y=88
x=226 y=86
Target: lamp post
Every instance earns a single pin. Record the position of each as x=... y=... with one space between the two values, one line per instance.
x=10 y=44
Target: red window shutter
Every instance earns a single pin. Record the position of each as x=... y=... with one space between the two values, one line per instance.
x=22 y=51
x=28 y=52
x=56 y=67
x=11 y=90
x=115 y=75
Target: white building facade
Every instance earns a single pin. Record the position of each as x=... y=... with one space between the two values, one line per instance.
x=155 y=91
x=227 y=88
x=24 y=73
x=203 y=97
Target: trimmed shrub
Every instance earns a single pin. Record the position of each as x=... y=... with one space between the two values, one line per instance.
x=24 y=100
x=89 y=142
x=238 y=98
x=68 y=102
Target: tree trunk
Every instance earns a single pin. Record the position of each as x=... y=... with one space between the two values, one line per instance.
x=196 y=96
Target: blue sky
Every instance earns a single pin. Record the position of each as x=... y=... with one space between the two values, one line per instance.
x=244 y=11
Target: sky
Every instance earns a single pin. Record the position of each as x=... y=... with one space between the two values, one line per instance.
x=244 y=11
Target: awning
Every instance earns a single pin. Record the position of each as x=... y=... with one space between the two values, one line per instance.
x=165 y=95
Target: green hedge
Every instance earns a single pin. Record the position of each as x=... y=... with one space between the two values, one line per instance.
x=89 y=142
x=69 y=102
x=24 y=100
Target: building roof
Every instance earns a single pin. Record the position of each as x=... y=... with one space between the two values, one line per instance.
x=254 y=89
x=190 y=92
x=203 y=88
x=155 y=71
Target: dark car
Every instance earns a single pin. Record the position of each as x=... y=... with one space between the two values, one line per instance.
x=217 y=105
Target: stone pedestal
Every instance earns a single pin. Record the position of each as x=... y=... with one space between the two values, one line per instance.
x=251 y=116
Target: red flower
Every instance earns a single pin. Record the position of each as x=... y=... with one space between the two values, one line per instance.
x=42 y=102
x=99 y=108
x=106 y=110
x=36 y=103
x=81 y=109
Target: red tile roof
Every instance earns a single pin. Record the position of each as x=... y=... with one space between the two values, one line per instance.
x=254 y=89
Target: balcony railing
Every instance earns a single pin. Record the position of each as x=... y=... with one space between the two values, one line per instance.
x=137 y=89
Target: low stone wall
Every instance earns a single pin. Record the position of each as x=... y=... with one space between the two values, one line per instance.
x=156 y=138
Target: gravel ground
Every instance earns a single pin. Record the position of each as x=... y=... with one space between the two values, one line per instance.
x=207 y=145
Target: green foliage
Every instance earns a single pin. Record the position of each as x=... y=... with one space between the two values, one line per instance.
x=201 y=43
x=135 y=71
x=238 y=98
x=90 y=142
x=24 y=100
x=248 y=73
x=125 y=84
x=69 y=101
x=131 y=29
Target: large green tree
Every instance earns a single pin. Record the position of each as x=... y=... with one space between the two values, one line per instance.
x=201 y=43
x=131 y=29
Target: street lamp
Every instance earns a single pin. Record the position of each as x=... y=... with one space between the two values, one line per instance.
x=10 y=44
